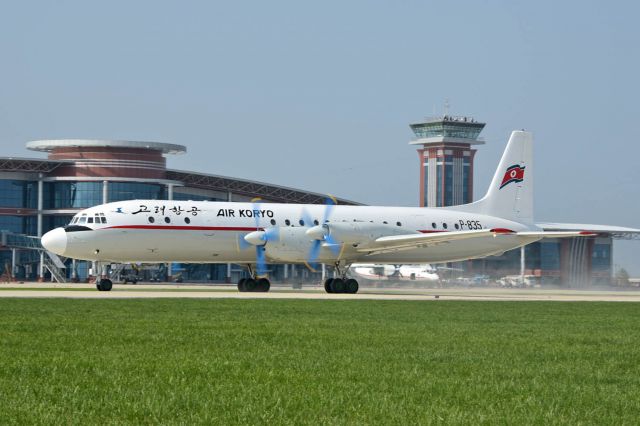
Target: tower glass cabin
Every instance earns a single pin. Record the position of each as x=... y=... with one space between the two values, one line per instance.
x=446 y=159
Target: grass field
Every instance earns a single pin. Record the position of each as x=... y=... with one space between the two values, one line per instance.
x=318 y=362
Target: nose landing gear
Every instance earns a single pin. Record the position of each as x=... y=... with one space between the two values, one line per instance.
x=104 y=284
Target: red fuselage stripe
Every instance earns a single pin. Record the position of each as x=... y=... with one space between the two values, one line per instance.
x=209 y=228
x=186 y=228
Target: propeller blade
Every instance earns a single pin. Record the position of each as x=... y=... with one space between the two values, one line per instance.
x=271 y=234
x=306 y=217
x=314 y=252
x=261 y=261
x=242 y=243
x=330 y=202
x=333 y=245
x=255 y=203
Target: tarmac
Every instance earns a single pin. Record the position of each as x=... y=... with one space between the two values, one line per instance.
x=222 y=291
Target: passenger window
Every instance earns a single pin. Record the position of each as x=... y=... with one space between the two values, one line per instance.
x=287 y=222
x=151 y=219
x=444 y=225
x=167 y=220
x=433 y=225
x=273 y=221
x=399 y=223
x=187 y=220
x=90 y=220
x=315 y=222
x=457 y=226
x=385 y=222
x=301 y=222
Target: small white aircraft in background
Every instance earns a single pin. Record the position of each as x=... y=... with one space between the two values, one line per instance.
x=376 y=272
x=155 y=231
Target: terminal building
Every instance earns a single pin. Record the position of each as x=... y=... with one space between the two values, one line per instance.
x=446 y=152
x=37 y=195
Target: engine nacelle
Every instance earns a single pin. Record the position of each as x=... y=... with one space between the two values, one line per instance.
x=292 y=245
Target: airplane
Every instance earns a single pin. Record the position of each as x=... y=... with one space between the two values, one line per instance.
x=372 y=271
x=257 y=234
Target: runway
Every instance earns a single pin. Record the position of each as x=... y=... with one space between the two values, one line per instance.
x=168 y=291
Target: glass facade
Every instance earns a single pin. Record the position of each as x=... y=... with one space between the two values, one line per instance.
x=19 y=224
x=121 y=191
x=194 y=197
x=446 y=129
x=448 y=181
x=18 y=194
x=439 y=173
x=50 y=222
x=601 y=257
x=77 y=195
x=71 y=195
x=466 y=170
x=426 y=183
x=543 y=255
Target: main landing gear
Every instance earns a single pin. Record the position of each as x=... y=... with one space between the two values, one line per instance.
x=343 y=284
x=254 y=284
x=340 y=285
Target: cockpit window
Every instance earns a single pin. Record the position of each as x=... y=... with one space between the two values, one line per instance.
x=90 y=220
x=83 y=219
x=103 y=219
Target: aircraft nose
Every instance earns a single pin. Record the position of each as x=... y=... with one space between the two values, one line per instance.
x=55 y=241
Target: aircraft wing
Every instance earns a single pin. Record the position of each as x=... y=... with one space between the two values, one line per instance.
x=395 y=243
x=618 y=232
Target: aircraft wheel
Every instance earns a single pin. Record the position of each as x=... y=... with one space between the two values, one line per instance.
x=250 y=285
x=104 y=285
x=327 y=285
x=351 y=286
x=241 y=285
x=337 y=285
x=263 y=285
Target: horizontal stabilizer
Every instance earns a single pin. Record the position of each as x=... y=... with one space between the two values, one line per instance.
x=618 y=232
x=556 y=234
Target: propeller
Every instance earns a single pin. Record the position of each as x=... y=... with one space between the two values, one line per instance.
x=321 y=234
x=259 y=238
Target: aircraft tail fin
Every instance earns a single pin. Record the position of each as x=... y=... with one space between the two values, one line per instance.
x=510 y=195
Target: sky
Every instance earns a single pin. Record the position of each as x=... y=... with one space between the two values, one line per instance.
x=319 y=95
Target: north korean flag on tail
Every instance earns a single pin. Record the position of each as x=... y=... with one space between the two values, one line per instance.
x=514 y=173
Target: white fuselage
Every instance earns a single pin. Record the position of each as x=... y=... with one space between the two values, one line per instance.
x=212 y=232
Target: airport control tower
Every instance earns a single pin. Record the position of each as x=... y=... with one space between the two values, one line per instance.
x=446 y=159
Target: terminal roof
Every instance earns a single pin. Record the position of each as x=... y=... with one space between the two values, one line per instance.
x=51 y=144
